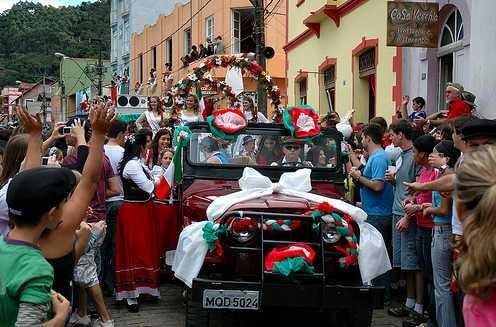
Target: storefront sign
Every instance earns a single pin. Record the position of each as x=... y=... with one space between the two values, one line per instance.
x=412 y=24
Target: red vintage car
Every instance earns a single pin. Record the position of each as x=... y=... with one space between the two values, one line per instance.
x=238 y=279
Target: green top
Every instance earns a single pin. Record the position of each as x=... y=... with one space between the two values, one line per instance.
x=25 y=276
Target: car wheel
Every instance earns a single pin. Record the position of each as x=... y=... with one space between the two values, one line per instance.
x=196 y=315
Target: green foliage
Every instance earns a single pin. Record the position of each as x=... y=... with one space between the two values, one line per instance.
x=31 y=33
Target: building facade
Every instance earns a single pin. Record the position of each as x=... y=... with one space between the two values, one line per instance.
x=467 y=36
x=172 y=36
x=338 y=59
x=79 y=78
x=127 y=17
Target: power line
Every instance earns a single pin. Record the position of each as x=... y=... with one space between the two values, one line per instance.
x=170 y=35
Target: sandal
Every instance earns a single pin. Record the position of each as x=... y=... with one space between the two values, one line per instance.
x=399 y=311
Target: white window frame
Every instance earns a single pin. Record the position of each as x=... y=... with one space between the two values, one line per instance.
x=187 y=42
x=236 y=27
x=209 y=28
x=168 y=50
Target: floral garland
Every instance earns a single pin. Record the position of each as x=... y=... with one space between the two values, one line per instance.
x=343 y=225
x=201 y=74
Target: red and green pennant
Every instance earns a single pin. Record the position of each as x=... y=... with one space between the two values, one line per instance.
x=302 y=122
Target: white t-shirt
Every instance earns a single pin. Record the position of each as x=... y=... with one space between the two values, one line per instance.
x=115 y=154
x=4 y=210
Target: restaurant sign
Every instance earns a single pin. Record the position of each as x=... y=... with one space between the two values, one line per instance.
x=412 y=24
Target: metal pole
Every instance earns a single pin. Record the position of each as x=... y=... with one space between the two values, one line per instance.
x=100 y=71
x=63 y=105
x=260 y=41
x=43 y=103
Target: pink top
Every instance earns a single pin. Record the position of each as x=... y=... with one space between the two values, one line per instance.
x=478 y=313
x=425 y=197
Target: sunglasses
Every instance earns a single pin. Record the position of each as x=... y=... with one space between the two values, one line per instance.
x=292 y=147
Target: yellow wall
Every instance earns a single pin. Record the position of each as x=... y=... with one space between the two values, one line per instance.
x=275 y=36
x=367 y=21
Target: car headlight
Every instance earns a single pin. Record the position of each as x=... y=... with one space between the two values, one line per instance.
x=243 y=230
x=329 y=234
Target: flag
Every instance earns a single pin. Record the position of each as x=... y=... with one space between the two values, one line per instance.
x=164 y=187
x=201 y=101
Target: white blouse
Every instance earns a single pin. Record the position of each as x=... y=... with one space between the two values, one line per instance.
x=134 y=171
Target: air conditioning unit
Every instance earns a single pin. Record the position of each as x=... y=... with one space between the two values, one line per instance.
x=131 y=104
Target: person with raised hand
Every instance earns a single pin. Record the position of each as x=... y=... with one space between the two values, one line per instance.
x=58 y=245
x=22 y=152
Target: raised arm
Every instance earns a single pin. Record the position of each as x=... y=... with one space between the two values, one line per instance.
x=101 y=116
x=53 y=137
x=141 y=121
x=33 y=126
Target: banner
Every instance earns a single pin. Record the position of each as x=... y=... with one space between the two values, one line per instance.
x=412 y=24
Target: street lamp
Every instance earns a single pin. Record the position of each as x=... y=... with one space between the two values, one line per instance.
x=63 y=102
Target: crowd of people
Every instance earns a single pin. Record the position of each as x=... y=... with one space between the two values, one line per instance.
x=202 y=51
x=426 y=185
x=78 y=222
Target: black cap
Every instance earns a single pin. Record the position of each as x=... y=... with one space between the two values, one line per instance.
x=33 y=192
x=248 y=138
x=479 y=128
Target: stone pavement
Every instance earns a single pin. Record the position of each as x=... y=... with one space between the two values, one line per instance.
x=169 y=312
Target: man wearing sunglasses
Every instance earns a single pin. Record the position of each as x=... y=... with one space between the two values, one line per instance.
x=292 y=150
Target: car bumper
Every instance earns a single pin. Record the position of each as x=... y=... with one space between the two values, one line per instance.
x=298 y=294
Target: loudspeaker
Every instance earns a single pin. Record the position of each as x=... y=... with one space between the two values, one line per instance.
x=268 y=52
x=131 y=103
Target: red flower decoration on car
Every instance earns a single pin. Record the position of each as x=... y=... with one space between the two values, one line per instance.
x=229 y=120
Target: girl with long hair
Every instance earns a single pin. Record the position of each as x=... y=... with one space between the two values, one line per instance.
x=153 y=117
x=317 y=156
x=136 y=247
x=251 y=112
x=475 y=190
x=161 y=141
x=191 y=112
x=269 y=150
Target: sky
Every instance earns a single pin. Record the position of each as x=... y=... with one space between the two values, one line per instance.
x=6 y=4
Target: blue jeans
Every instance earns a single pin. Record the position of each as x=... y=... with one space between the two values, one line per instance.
x=424 y=243
x=383 y=225
x=404 y=246
x=441 y=264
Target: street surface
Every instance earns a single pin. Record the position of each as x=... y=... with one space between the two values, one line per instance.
x=169 y=312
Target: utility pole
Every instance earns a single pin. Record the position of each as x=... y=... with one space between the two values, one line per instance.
x=44 y=103
x=99 y=71
x=260 y=42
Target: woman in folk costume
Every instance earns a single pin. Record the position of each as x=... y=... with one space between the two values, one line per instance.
x=136 y=256
x=153 y=117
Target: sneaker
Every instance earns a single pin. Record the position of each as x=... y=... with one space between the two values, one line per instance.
x=414 y=320
x=100 y=323
x=399 y=311
x=76 y=320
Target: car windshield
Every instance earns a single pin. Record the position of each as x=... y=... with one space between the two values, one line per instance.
x=262 y=151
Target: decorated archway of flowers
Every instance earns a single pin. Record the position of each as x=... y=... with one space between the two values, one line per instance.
x=201 y=73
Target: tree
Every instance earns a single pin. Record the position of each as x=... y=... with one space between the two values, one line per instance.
x=30 y=34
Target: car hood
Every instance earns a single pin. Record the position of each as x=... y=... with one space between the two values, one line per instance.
x=197 y=201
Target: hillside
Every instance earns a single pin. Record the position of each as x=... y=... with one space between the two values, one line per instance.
x=31 y=33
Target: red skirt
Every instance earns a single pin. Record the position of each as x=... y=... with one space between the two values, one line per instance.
x=165 y=216
x=136 y=251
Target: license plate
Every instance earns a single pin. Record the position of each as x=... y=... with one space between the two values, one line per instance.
x=231 y=299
